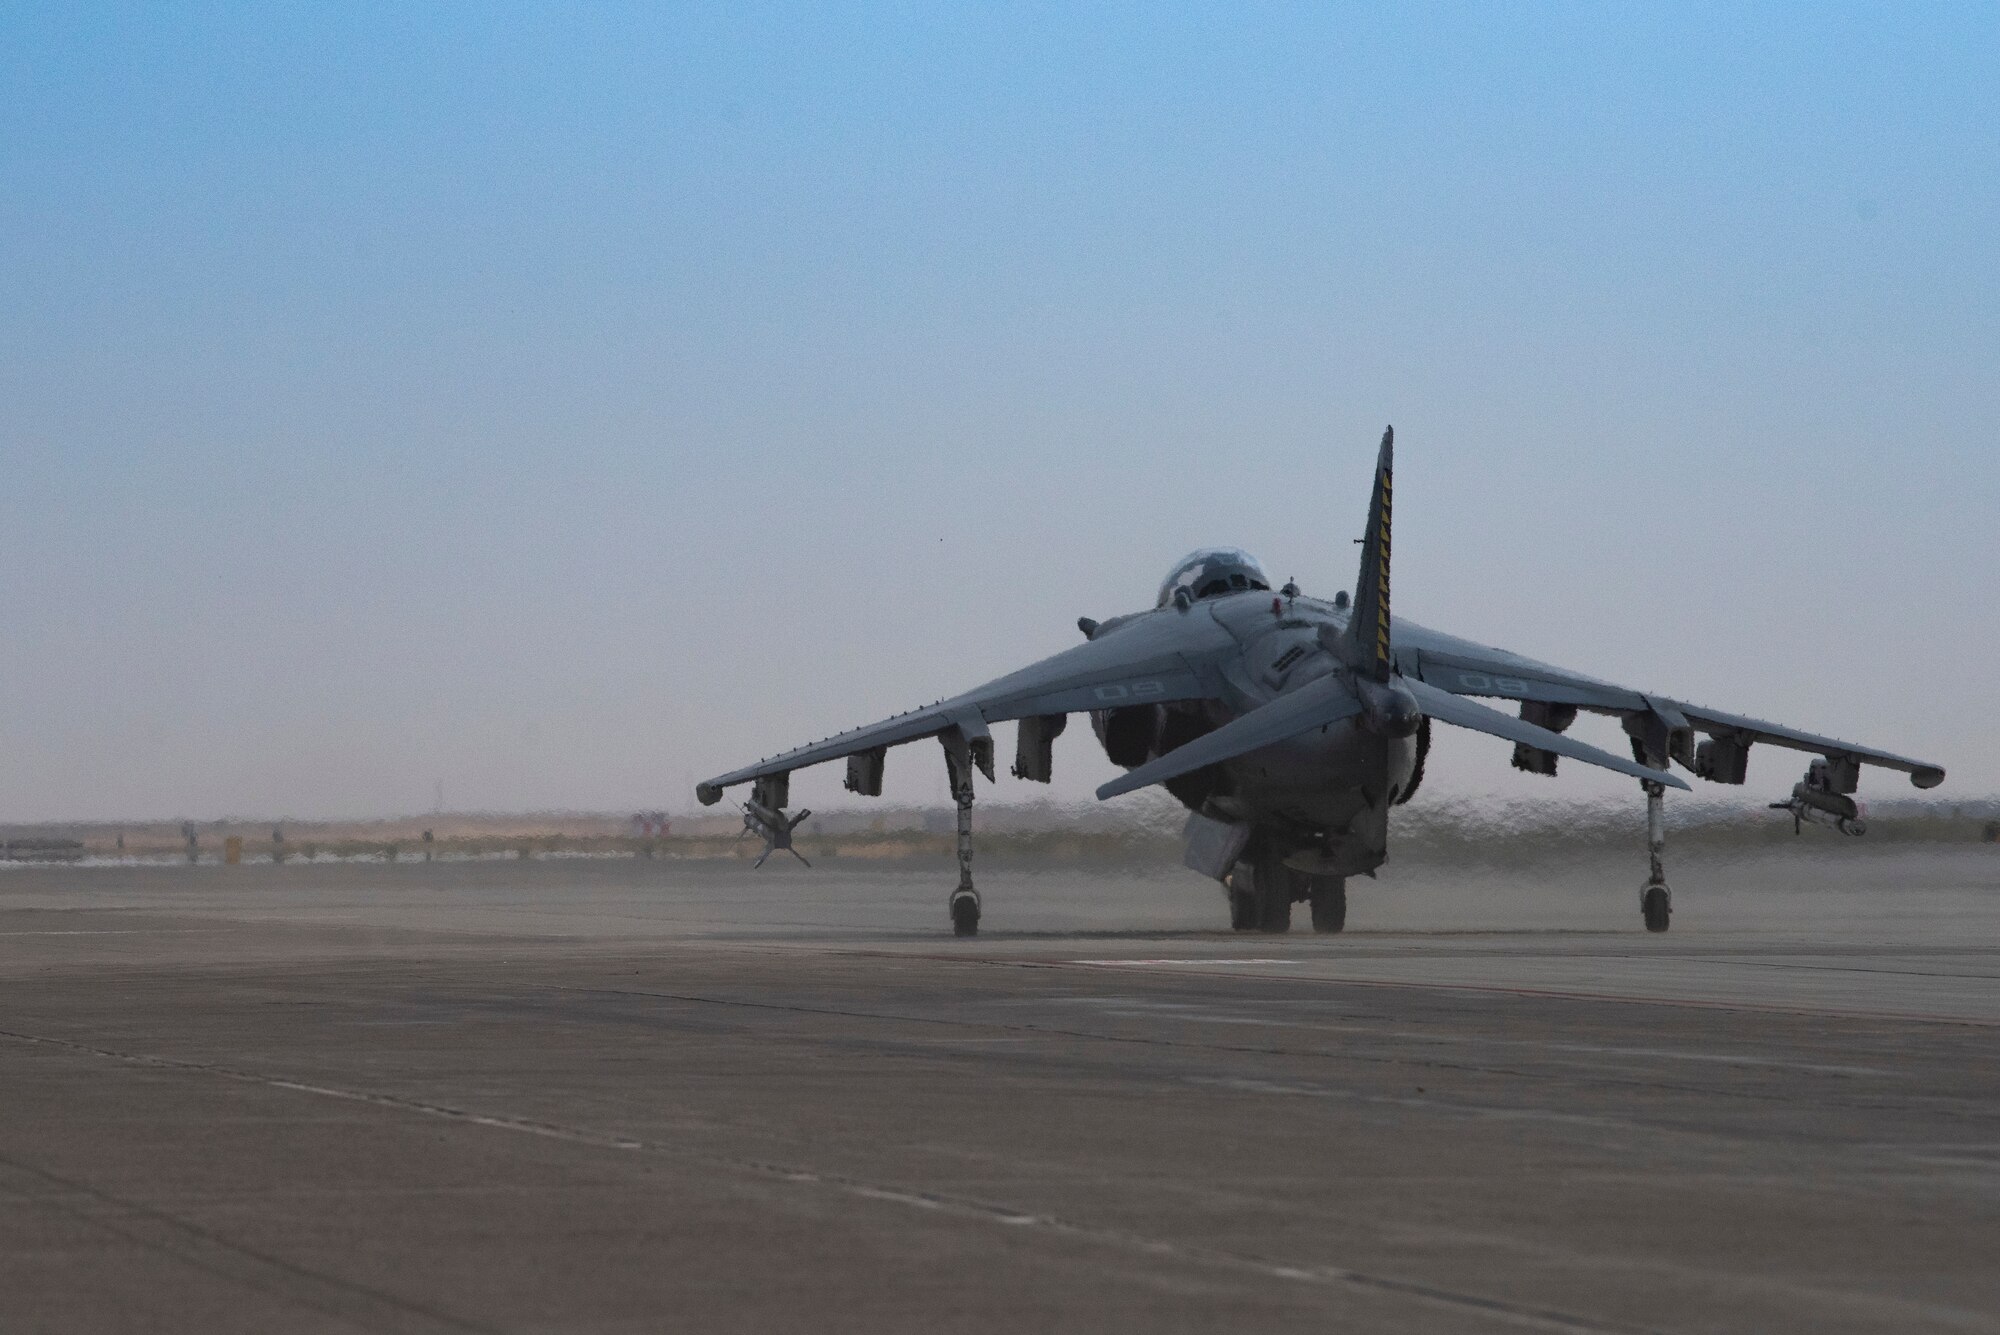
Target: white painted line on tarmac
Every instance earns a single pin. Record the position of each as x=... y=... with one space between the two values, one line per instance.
x=1133 y=964
x=118 y=931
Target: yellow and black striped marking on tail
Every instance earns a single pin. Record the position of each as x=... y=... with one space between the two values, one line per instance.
x=1369 y=629
x=1384 y=659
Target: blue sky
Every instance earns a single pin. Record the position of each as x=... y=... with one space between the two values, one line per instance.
x=565 y=403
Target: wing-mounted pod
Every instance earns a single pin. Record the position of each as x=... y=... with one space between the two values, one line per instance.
x=1723 y=758
x=1825 y=796
x=1035 y=746
x=864 y=771
x=1556 y=718
x=764 y=816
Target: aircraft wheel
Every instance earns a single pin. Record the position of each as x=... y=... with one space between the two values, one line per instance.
x=964 y=914
x=1273 y=882
x=1242 y=910
x=1657 y=907
x=1274 y=913
x=1329 y=903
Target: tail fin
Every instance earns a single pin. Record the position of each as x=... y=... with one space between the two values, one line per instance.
x=1368 y=625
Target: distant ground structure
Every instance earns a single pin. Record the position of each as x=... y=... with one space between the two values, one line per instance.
x=1135 y=831
x=41 y=850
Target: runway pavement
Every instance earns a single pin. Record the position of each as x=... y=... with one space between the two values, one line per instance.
x=629 y=1096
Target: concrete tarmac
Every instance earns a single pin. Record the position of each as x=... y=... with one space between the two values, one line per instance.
x=604 y=1096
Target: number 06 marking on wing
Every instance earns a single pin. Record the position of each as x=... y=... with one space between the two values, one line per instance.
x=1480 y=683
x=1138 y=690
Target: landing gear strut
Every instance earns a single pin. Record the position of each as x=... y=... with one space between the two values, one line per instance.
x=965 y=899
x=1656 y=902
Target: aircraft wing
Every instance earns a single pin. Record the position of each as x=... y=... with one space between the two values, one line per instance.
x=1718 y=724
x=1149 y=658
x=1465 y=668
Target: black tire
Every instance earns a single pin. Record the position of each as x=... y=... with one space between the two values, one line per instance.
x=1242 y=910
x=1274 y=883
x=1329 y=903
x=1274 y=913
x=964 y=915
x=1657 y=908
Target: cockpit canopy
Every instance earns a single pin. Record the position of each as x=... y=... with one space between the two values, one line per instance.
x=1212 y=571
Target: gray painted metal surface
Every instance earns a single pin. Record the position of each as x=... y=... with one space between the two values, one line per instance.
x=1294 y=716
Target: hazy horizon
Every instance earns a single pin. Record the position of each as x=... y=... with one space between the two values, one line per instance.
x=567 y=406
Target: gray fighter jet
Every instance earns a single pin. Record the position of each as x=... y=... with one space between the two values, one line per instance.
x=1289 y=726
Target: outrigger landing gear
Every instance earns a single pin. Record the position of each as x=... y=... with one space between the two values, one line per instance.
x=964 y=903
x=964 y=900
x=965 y=912
x=1656 y=902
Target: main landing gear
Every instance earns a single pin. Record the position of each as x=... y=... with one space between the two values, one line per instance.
x=964 y=900
x=1262 y=899
x=1329 y=903
x=1260 y=896
x=1656 y=902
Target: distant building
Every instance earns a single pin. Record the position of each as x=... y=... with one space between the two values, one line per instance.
x=41 y=850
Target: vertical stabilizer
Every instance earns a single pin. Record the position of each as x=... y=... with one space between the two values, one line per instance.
x=1368 y=629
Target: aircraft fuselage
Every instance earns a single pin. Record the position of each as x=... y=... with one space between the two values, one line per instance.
x=1328 y=789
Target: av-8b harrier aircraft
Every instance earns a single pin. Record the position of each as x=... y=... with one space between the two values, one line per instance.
x=1290 y=726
